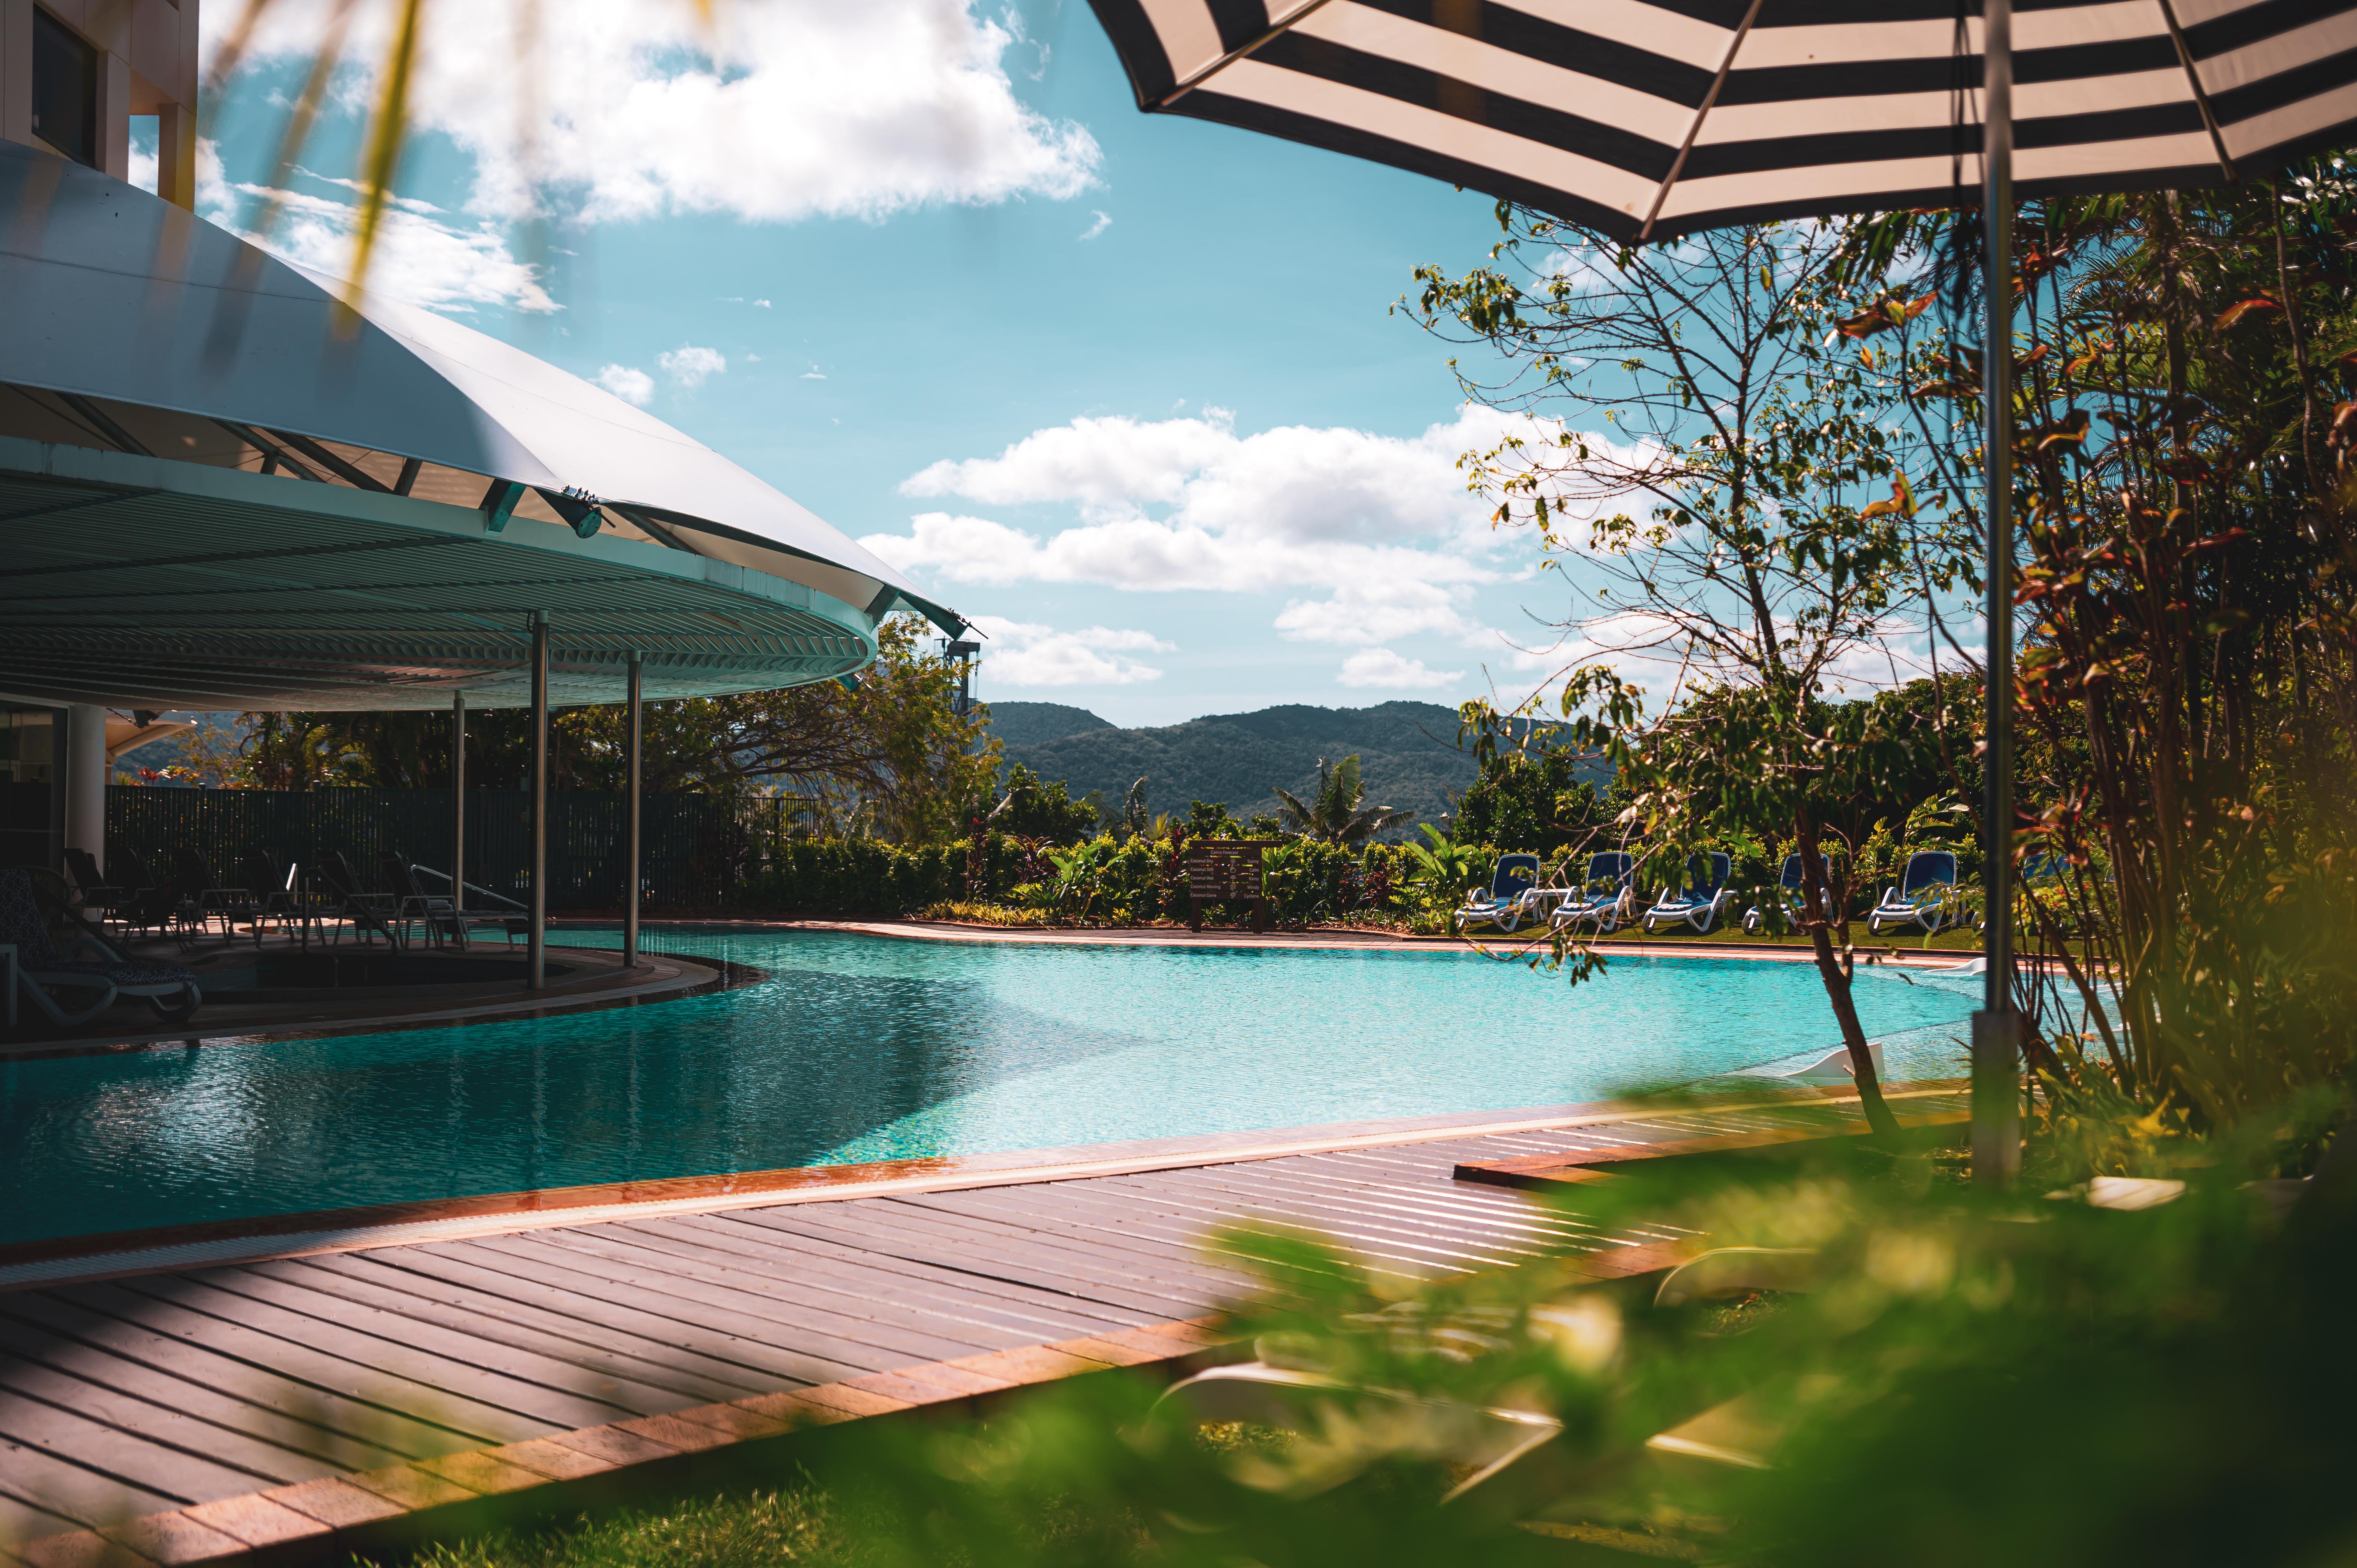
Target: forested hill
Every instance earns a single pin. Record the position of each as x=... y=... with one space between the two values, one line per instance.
x=1029 y=724
x=1407 y=752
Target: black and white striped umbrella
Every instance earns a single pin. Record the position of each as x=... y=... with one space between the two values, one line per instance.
x=1648 y=118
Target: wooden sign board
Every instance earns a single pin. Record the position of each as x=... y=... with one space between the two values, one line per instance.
x=1221 y=869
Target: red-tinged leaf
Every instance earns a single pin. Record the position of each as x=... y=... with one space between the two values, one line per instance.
x=2188 y=467
x=2233 y=314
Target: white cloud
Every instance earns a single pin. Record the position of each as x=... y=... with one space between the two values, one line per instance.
x=1382 y=667
x=690 y=367
x=1022 y=654
x=143 y=167
x=776 y=112
x=1102 y=221
x=1382 y=525
x=419 y=257
x=629 y=383
x=761 y=304
x=813 y=374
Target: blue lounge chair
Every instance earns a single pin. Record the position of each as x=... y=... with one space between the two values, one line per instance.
x=31 y=966
x=1788 y=895
x=1698 y=904
x=1602 y=896
x=1926 y=894
x=1514 y=894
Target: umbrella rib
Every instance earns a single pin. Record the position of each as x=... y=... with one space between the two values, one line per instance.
x=2201 y=95
x=1233 y=54
x=1677 y=165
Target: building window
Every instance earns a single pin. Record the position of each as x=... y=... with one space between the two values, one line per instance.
x=65 y=90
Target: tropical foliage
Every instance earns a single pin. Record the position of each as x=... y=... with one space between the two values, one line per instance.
x=1334 y=814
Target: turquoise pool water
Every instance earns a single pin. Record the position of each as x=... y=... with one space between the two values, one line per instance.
x=866 y=1049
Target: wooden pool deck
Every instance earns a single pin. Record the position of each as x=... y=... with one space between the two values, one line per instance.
x=301 y=1405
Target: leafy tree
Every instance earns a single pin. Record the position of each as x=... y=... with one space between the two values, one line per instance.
x=2188 y=635
x=1334 y=814
x=1533 y=801
x=1034 y=808
x=1769 y=542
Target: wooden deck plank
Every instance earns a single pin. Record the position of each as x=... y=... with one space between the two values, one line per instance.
x=82 y=1468
x=56 y=1487
x=333 y=1449
x=1304 y=1196
x=1150 y=1241
x=1028 y=1311
x=699 y=1338
x=20 y=1521
x=531 y=1382
x=273 y=1389
x=1160 y=1238
x=470 y=1422
x=1164 y=1302
x=767 y=1276
x=797 y=1355
x=1180 y=1274
x=1356 y=1234
x=590 y=1250
x=657 y=1386
x=1029 y=1254
x=488 y=1376
x=25 y=1388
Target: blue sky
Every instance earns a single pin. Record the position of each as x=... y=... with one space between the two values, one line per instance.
x=1124 y=388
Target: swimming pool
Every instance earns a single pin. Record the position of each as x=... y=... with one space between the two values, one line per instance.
x=859 y=1048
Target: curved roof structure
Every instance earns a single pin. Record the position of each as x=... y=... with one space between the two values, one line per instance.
x=217 y=488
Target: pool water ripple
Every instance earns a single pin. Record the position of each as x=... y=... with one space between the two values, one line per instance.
x=861 y=1048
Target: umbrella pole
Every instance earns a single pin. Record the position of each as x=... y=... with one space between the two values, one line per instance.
x=633 y=726
x=1996 y=1031
x=536 y=944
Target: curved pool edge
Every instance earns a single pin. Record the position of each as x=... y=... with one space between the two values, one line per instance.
x=1323 y=942
x=673 y=977
x=70 y=1260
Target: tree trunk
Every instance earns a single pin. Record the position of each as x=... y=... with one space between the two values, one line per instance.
x=1817 y=910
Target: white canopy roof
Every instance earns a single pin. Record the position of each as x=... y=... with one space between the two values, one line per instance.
x=114 y=294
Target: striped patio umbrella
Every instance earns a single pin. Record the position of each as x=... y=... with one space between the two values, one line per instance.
x=1647 y=119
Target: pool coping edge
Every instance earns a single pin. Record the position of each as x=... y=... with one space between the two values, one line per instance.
x=831 y=1184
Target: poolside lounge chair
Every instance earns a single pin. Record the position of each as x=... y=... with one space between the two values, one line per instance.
x=1603 y=894
x=210 y=899
x=1926 y=894
x=412 y=902
x=352 y=902
x=1698 y=904
x=91 y=885
x=31 y=965
x=1788 y=897
x=1512 y=895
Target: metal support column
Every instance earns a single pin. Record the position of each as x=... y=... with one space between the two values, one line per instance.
x=459 y=812
x=1996 y=1030
x=536 y=957
x=631 y=733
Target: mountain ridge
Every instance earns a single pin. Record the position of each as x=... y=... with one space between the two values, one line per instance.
x=1407 y=755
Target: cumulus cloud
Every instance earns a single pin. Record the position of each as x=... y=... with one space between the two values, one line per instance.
x=425 y=255
x=793 y=109
x=629 y=383
x=1022 y=654
x=1382 y=524
x=1382 y=668
x=690 y=367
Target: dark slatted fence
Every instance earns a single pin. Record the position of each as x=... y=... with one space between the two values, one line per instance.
x=698 y=847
